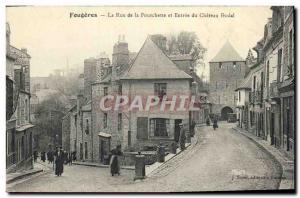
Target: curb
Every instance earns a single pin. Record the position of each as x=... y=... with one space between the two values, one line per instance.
x=284 y=184
x=190 y=146
x=23 y=176
x=102 y=166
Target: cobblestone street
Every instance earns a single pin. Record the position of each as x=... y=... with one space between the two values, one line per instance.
x=220 y=160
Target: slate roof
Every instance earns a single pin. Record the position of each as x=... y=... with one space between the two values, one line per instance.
x=227 y=53
x=246 y=84
x=152 y=63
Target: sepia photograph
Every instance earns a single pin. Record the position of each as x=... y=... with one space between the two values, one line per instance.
x=150 y=99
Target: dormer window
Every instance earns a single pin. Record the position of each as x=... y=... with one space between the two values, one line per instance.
x=220 y=65
x=160 y=89
x=234 y=64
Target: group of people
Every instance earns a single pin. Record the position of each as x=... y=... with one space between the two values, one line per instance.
x=58 y=156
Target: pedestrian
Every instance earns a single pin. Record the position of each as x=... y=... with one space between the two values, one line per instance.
x=114 y=160
x=74 y=158
x=207 y=121
x=66 y=157
x=43 y=156
x=182 y=137
x=49 y=157
x=215 y=123
x=193 y=124
x=35 y=155
x=70 y=158
x=59 y=163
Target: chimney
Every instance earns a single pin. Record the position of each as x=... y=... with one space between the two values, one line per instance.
x=120 y=56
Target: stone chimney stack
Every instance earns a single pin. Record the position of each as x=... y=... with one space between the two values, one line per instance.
x=120 y=56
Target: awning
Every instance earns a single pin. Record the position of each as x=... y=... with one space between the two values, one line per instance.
x=24 y=127
x=105 y=135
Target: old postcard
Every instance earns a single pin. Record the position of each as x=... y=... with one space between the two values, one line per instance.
x=150 y=98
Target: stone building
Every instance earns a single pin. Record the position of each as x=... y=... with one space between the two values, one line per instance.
x=286 y=85
x=227 y=70
x=77 y=131
x=244 y=101
x=271 y=99
x=137 y=130
x=18 y=127
x=186 y=63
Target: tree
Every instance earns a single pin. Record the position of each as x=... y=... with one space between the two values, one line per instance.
x=186 y=43
x=48 y=121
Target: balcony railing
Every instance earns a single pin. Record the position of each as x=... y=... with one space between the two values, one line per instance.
x=274 y=90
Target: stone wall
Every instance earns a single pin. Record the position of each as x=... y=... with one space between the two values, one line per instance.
x=224 y=79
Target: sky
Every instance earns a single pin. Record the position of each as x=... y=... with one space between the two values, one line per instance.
x=52 y=38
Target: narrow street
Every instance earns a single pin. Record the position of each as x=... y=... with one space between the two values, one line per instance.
x=220 y=160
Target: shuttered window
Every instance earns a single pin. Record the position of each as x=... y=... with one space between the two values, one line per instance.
x=142 y=128
x=159 y=127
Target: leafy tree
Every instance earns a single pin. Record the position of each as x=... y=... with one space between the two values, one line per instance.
x=48 y=122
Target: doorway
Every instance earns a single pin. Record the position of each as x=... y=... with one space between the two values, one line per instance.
x=224 y=113
x=81 y=151
x=272 y=128
x=104 y=148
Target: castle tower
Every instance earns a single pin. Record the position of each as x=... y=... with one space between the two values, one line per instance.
x=227 y=70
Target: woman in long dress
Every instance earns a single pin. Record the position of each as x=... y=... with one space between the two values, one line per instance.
x=114 y=161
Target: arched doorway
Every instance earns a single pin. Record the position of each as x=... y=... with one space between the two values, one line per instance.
x=224 y=113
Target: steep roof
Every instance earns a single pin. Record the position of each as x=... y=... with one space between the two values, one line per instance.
x=246 y=83
x=227 y=53
x=152 y=63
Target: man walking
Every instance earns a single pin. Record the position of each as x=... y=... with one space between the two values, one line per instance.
x=182 y=137
x=43 y=156
x=59 y=163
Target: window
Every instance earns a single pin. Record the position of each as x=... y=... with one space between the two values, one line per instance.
x=159 y=127
x=87 y=127
x=291 y=53
x=10 y=142
x=234 y=64
x=220 y=65
x=160 y=89
x=26 y=110
x=120 y=90
x=75 y=118
x=105 y=120
x=119 y=121
x=279 y=66
x=239 y=96
x=105 y=91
